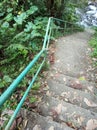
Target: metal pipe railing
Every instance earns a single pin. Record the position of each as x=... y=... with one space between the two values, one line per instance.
x=15 y=83
x=23 y=98
x=47 y=32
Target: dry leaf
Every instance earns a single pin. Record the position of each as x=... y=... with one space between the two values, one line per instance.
x=56 y=111
x=51 y=128
x=91 y=124
x=90 y=103
x=48 y=93
x=77 y=81
x=62 y=94
x=8 y=112
x=58 y=61
x=58 y=108
x=25 y=123
x=64 y=79
x=76 y=85
x=80 y=120
x=66 y=99
x=90 y=88
x=16 y=123
x=37 y=127
x=51 y=58
x=82 y=78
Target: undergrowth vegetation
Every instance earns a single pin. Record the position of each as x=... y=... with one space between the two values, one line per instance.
x=21 y=36
x=93 y=43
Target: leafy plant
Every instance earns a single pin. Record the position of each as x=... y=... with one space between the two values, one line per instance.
x=69 y=13
x=19 y=19
x=93 y=43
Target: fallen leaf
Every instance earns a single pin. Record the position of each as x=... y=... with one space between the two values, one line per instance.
x=91 y=124
x=82 y=78
x=58 y=61
x=90 y=103
x=51 y=58
x=76 y=85
x=58 y=108
x=80 y=120
x=90 y=88
x=47 y=104
x=8 y=112
x=66 y=99
x=64 y=79
x=46 y=88
x=16 y=123
x=56 y=111
x=77 y=81
x=51 y=128
x=51 y=75
x=57 y=74
x=25 y=123
x=48 y=93
x=37 y=127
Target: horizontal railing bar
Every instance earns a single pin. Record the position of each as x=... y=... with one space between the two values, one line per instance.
x=48 y=39
x=64 y=28
x=57 y=28
x=23 y=98
x=58 y=20
x=64 y=21
x=13 y=86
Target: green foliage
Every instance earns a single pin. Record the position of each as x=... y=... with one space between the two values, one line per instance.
x=32 y=99
x=93 y=43
x=36 y=86
x=6 y=80
x=20 y=39
x=19 y=19
x=69 y=12
x=17 y=34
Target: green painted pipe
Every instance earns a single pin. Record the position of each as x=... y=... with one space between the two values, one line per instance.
x=58 y=20
x=47 y=33
x=23 y=98
x=13 y=86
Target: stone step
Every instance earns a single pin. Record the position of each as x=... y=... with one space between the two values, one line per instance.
x=34 y=121
x=72 y=56
x=76 y=117
x=71 y=95
x=77 y=83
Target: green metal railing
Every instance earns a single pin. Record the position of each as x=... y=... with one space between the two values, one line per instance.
x=53 y=23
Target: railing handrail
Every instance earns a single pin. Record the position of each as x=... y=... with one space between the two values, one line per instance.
x=15 y=83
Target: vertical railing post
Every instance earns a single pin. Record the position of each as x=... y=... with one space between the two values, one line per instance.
x=47 y=31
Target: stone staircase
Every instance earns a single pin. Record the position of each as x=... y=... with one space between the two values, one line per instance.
x=69 y=100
